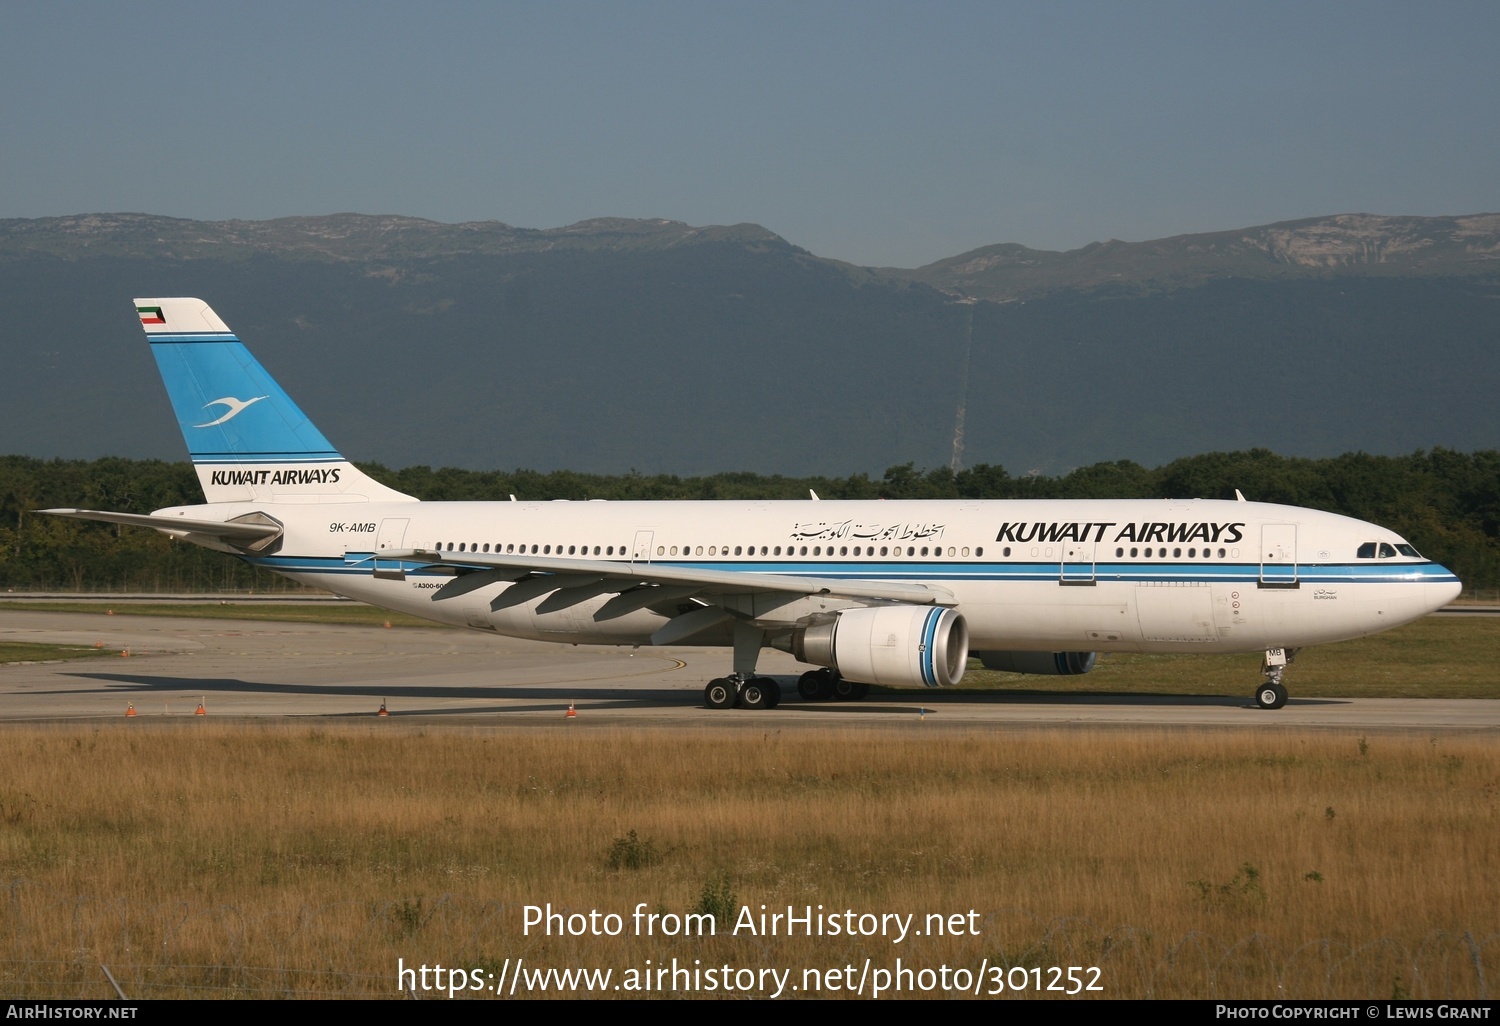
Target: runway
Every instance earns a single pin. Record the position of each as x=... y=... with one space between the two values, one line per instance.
x=261 y=669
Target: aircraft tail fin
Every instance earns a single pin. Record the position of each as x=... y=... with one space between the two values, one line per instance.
x=248 y=440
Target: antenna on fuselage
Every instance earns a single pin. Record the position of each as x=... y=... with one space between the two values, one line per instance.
x=1238 y=497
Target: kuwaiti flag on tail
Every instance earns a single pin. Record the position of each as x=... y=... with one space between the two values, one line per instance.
x=150 y=315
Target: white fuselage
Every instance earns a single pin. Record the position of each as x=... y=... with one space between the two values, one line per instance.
x=1043 y=575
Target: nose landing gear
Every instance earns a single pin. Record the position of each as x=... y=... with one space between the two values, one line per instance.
x=1272 y=694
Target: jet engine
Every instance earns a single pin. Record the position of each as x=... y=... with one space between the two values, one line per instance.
x=1054 y=664
x=898 y=645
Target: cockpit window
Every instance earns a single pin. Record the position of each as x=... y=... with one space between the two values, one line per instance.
x=1387 y=551
x=1408 y=550
x=1366 y=551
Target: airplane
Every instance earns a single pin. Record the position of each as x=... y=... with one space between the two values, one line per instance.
x=896 y=593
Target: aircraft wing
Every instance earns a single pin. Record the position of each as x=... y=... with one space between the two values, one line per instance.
x=627 y=575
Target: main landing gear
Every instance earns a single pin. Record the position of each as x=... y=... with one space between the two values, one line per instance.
x=742 y=687
x=749 y=693
x=1272 y=694
x=821 y=685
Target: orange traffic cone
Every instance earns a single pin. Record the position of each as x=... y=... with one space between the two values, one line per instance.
x=98 y=644
x=382 y=711
x=572 y=713
x=200 y=710
x=124 y=653
x=129 y=708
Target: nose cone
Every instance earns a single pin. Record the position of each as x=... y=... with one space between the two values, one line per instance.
x=1440 y=593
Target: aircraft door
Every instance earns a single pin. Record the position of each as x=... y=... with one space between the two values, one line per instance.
x=1078 y=566
x=1278 y=556
x=391 y=535
x=640 y=552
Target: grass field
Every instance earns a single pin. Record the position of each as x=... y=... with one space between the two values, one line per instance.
x=215 y=859
x=321 y=612
x=29 y=652
x=1435 y=657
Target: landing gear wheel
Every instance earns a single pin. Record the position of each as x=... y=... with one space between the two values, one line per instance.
x=850 y=690
x=773 y=692
x=814 y=685
x=1270 y=695
x=720 y=693
x=755 y=694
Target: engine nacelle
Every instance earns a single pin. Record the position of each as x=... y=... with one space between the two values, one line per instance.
x=1055 y=664
x=901 y=646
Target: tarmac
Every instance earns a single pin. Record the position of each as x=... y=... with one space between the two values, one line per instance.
x=258 y=669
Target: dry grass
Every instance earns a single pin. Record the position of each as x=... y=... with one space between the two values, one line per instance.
x=308 y=860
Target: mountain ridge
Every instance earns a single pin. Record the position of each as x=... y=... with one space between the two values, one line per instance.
x=616 y=343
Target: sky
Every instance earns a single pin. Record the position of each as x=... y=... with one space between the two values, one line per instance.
x=885 y=134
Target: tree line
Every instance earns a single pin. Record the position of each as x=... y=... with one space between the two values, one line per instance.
x=1446 y=503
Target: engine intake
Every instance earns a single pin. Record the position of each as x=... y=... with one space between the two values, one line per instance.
x=901 y=646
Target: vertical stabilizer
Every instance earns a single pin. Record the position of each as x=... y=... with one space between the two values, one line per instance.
x=248 y=441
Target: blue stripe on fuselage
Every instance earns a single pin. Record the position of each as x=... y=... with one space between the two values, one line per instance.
x=1337 y=573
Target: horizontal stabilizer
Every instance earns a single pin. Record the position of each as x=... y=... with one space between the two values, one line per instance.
x=243 y=533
